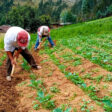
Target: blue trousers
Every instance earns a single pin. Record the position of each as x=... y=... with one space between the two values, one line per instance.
x=49 y=39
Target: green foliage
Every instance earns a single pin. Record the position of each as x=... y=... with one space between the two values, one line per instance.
x=1 y=41
x=45 y=100
x=23 y=16
x=25 y=65
x=36 y=107
x=108 y=78
x=85 y=107
x=33 y=76
x=67 y=16
x=45 y=20
x=54 y=89
x=107 y=105
x=22 y=84
x=37 y=84
x=76 y=79
x=51 y=8
x=60 y=110
x=5 y=6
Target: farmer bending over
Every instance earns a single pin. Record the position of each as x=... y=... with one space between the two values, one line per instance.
x=18 y=39
x=43 y=31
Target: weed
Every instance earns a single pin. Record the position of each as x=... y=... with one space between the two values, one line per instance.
x=36 y=107
x=108 y=78
x=60 y=110
x=25 y=65
x=50 y=74
x=33 y=76
x=45 y=100
x=37 y=84
x=95 y=70
x=74 y=109
x=22 y=83
x=98 y=78
x=3 y=57
x=110 y=93
x=88 y=76
x=1 y=63
x=105 y=86
x=85 y=107
x=107 y=104
x=54 y=89
x=76 y=79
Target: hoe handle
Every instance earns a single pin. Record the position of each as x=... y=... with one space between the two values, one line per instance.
x=41 y=43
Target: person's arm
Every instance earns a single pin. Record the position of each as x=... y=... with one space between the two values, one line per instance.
x=16 y=55
x=9 y=54
x=40 y=37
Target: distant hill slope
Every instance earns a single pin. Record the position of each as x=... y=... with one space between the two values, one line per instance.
x=36 y=2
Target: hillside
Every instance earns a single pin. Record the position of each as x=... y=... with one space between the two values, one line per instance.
x=76 y=74
x=36 y=2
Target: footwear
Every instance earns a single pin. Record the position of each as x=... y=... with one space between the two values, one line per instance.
x=8 y=78
x=36 y=67
x=35 y=49
x=39 y=67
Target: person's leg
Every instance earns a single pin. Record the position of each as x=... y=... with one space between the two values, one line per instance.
x=29 y=58
x=9 y=65
x=37 y=43
x=50 y=41
x=8 y=68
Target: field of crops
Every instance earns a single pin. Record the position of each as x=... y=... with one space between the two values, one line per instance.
x=75 y=76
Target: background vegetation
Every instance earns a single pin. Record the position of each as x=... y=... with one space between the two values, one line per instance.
x=49 y=11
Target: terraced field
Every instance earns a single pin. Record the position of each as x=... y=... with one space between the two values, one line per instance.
x=75 y=76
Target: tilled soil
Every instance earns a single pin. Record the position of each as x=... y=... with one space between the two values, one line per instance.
x=8 y=94
x=14 y=98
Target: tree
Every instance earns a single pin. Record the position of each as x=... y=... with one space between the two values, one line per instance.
x=67 y=16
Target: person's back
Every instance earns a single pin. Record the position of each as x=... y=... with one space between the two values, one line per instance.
x=43 y=31
x=17 y=39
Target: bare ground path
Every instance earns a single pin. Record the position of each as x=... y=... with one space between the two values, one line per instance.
x=9 y=97
x=14 y=98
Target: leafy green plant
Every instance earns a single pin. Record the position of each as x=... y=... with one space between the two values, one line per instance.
x=36 y=84
x=108 y=78
x=78 y=62
x=25 y=65
x=22 y=83
x=85 y=107
x=74 y=110
x=60 y=110
x=36 y=107
x=45 y=100
x=54 y=89
x=33 y=76
x=88 y=76
x=107 y=105
x=3 y=57
x=1 y=63
x=76 y=79
x=98 y=78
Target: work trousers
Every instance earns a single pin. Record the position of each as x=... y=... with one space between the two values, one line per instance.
x=27 y=55
x=49 y=39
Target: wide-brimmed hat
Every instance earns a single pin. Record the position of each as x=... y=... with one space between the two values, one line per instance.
x=22 y=38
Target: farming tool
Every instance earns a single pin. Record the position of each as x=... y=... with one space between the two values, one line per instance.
x=41 y=43
x=13 y=67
